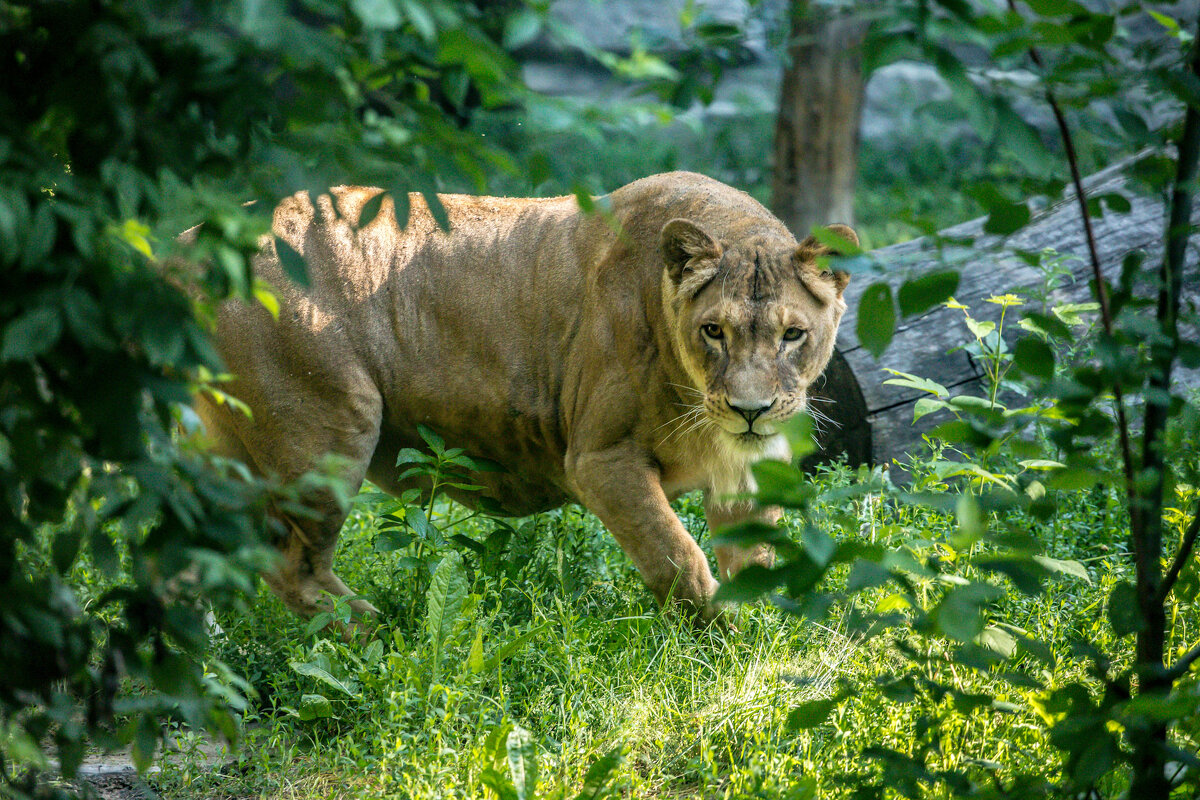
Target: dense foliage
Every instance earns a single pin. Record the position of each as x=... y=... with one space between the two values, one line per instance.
x=1057 y=416
x=1025 y=609
x=121 y=125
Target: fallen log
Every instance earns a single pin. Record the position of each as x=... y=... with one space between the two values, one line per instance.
x=872 y=422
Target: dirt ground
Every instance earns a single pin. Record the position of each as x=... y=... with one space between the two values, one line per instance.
x=113 y=776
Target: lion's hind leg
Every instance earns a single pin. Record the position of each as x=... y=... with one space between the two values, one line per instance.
x=289 y=446
x=304 y=579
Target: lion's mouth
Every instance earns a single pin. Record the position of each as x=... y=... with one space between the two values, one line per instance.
x=752 y=438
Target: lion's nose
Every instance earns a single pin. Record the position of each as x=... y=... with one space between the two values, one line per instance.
x=749 y=411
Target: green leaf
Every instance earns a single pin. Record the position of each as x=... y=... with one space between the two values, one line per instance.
x=466 y=541
x=876 y=318
x=379 y=14
x=510 y=648
x=798 y=430
x=1181 y=83
x=475 y=661
x=997 y=640
x=598 y=774
x=370 y=210
x=1072 y=313
x=1050 y=326
x=423 y=23
x=444 y=602
x=923 y=293
x=866 y=574
x=292 y=262
x=1041 y=463
x=391 y=540
x=315 y=706
x=498 y=783
x=749 y=532
x=1072 y=478
x=522 y=28
x=750 y=584
x=268 y=300
x=819 y=545
x=42 y=233
x=1025 y=573
x=1171 y=24
x=420 y=524
x=30 y=335
x=972 y=523
x=347 y=687
x=522 y=763
x=436 y=443
x=980 y=329
x=409 y=455
x=916 y=382
x=65 y=547
x=1060 y=566
x=836 y=243
x=959 y=614
x=927 y=405
x=1094 y=757
x=1021 y=139
x=134 y=234
x=1116 y=202
x=585 y=200
x=1007 y=218
x=104 y=553
x=86 y=319
x=374 y=652
x=1034 y=357
x=811 y=714
x=145 y=741
x=781 y=484
x=1123 y=612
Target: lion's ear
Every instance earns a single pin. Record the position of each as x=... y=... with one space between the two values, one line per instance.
x=685 y=243
x=813 y=247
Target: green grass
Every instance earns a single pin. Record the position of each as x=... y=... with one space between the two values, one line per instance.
x=603 y=672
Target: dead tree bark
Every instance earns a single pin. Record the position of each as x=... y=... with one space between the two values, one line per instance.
x=816 y=128
x=923 y=344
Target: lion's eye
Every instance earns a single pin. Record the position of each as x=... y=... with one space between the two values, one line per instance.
x=712 y=330
x=792 y=334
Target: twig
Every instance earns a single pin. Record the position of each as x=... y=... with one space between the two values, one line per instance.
x=1097 y=274
x=1183 y=663
x=1174 y=259
x=1181 y=558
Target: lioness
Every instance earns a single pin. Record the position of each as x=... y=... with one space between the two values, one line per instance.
x=616 y=366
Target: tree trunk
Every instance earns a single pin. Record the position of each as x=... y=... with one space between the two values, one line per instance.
x=816 y=129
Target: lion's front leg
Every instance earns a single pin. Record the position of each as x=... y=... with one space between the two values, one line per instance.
x=732 y=559
x=624 y=491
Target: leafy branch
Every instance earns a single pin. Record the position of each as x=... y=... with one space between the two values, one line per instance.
x=1102 y=297
x=1181 y=557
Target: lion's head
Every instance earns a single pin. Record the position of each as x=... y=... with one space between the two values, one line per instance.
x=754 y=321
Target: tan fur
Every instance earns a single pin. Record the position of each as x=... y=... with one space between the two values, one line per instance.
x=536 y=336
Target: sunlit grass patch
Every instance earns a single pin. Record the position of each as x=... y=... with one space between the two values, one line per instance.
x=591 y=670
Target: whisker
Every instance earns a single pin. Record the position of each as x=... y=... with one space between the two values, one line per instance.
x=691 y=389
x=820 y=419
x=686 y=422
x=688 y=411
x=682 y=431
